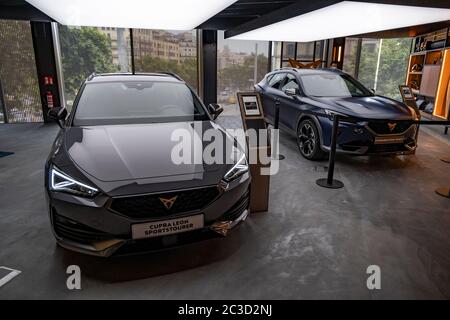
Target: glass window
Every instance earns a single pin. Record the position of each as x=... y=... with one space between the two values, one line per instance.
x=383 y=64
x=85 y=50
x=368 y=62
x=240 y=65
x=167 y=51
x=276 y=55
x=115 y=102
x=291 y=83
x=18 y=75
x=394 y=59
x=350 y=55
x=332 y=85
x=276 y=80
x=319 y=50
x=305 y=51
x=288 y=50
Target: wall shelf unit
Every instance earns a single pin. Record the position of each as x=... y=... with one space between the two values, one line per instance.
x=428 y=73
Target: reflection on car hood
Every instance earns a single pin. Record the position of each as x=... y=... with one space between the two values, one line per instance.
x=138 y=151
x=376 y=107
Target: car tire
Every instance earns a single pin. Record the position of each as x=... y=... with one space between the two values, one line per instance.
x=308 y=140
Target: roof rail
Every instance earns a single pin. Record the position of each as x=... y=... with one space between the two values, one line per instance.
x=286 y=68
x=91 y=76
x=289 y=68
x=171 y=74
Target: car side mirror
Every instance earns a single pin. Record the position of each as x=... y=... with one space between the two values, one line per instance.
x=291 y=92
x=372 y=90
x=215 y=109
x=57 y=114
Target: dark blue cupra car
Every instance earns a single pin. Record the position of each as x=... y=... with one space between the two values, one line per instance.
x=331 y=91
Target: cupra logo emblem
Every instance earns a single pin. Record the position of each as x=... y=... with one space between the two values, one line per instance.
x=392 y=126
x=168 y=202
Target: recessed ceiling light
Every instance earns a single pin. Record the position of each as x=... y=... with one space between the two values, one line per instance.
x=344 y=19
x=146 y=14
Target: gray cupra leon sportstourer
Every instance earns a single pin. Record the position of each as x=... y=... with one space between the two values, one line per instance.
x=111 y=183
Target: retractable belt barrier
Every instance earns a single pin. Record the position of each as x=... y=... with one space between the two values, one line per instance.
x=332 y=183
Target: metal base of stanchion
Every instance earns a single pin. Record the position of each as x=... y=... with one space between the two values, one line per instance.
x=278 y=157
x=335 y=184
x=446 y=159
x=444 y=192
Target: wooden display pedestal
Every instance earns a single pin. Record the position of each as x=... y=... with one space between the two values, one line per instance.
x=259 y=196
x=253 y=119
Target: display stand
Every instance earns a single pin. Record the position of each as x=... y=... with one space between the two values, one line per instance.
x=409 y=99
x=253 y=118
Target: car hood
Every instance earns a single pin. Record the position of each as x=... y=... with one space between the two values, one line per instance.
x=376 y=107
x=138 y=151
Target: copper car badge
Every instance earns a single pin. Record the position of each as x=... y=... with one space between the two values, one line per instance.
x=392 y=126
x=168 y=202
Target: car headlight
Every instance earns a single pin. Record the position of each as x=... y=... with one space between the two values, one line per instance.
x=239 y=168
x=59 y=181
x=331 y=113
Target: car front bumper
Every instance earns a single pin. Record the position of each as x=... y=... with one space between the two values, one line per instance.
x=360 y=139
x=89 y=226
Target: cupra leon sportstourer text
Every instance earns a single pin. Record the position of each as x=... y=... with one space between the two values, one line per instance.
x=112 y=185
x=330 y=91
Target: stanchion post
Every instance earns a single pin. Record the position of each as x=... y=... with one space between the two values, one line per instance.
x=277 y=113
x=275 y=127
x=329 y=182
x=443 y=191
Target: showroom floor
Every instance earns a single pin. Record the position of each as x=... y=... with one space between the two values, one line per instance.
x=313 y=242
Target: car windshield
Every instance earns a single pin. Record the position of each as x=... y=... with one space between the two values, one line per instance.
x=127 y=102
x=333 y=85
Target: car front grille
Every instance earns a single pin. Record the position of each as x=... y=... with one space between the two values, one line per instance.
x=71 y=230
x=385 y=127
x=237 y=208
x=152 y=206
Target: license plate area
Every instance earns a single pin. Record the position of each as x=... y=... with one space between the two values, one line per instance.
x=389 y=139
x=167 y=227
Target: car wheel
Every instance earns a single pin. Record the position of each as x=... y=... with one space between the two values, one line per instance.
x=308 y=140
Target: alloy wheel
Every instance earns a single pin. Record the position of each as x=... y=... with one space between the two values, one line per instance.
x=306 y=139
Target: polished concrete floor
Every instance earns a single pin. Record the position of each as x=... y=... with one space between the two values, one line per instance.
x=313 y=242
